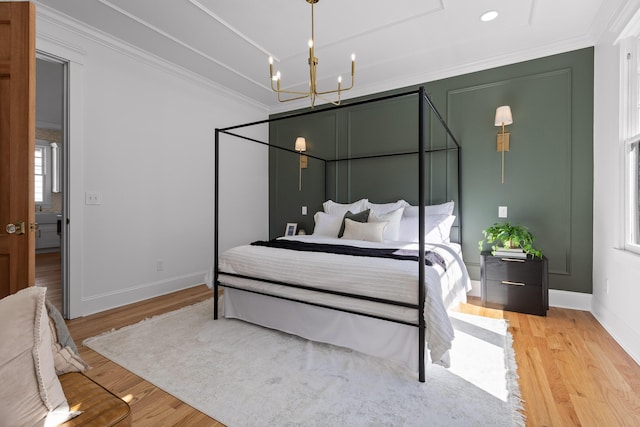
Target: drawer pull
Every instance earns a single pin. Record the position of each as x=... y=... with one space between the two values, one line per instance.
x=506 y=282
x=513 y=259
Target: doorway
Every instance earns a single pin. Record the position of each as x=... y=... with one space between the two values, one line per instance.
x=51 y=179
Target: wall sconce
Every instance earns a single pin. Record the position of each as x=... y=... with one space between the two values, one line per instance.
x=503 y=117
x=301 y=145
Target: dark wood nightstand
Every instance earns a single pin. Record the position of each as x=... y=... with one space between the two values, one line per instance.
x=515 y=284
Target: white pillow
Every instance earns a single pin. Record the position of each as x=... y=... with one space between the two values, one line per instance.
x=327 y=225
x=441 y=209
x=392 y=231
x=369 y=231
x=383 y=208
x=437 y=228
x=333 y=208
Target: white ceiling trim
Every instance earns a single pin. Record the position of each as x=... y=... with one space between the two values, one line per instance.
x=231 y=28
x=623 y=16
x=627 y=24
x=454 y=71
x=86 y=31
x=384 y=27
x=183 y=44
x=56 y=40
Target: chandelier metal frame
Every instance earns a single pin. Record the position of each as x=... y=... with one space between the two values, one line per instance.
x=313 y=87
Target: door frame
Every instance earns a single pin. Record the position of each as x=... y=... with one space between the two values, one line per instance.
x=48 y=46
x=64 y=235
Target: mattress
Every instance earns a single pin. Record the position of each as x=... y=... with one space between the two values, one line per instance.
x=388 y=279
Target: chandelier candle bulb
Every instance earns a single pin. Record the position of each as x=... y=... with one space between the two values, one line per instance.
x=271 y=68
x=313 y=92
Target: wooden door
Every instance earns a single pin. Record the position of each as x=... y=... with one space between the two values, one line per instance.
x=17 y=130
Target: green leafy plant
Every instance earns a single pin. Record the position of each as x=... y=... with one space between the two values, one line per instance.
x=509 y=236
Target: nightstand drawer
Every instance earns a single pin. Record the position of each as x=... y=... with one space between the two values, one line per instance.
x=514 y=270
x=515 y=284
x=508 y=296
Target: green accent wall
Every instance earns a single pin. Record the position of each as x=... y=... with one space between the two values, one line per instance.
x=548 y=170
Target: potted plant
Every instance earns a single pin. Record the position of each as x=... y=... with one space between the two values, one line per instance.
x=505 y=235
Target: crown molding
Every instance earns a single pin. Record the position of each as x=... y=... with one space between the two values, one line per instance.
x=622 y=17
x=453 y=71
x=85 y=31
x=181 y=43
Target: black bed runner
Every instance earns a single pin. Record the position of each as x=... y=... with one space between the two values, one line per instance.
x=294 y=245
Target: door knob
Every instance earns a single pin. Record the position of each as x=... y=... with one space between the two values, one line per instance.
x=17 y=228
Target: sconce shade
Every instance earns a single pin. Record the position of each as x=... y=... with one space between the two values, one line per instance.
x=503 y=116
x=301 y=144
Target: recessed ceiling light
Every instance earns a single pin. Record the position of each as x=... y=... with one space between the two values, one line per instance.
x=489 y=16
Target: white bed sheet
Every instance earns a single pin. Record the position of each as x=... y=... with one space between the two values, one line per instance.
x=379 y=277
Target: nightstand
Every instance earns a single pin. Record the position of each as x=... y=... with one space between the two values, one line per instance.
x=515 y=284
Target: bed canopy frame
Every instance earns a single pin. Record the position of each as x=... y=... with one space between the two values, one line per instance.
x=425 y=105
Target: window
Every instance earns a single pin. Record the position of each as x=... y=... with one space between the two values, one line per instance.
x=632 y=193
x=631 y=98
x=44 y=171
x=40 y=173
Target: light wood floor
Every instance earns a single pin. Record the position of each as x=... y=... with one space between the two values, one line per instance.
x=572 y=373
x=49 y=275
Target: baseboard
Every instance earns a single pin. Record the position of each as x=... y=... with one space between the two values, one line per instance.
x=106 y=301
x=628 y=339
x=572 y=300
x=476 y=289
x=562 y=299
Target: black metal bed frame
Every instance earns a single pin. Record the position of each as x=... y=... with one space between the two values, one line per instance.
x=423 y=101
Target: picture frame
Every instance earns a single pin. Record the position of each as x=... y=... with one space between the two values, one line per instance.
x=291 y=229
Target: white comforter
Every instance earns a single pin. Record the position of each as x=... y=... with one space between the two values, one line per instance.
x=376 y=277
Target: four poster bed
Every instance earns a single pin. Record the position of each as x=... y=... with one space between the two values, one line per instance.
x=376 y=278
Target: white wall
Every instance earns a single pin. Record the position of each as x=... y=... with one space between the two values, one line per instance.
x=49 y=88
x=142 y=136
x=616 y=309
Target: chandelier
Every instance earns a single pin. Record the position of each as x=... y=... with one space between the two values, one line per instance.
x=313 y=88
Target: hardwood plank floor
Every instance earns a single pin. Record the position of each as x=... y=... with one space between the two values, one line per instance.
x=49 y=275
x=572 y=373
x=150 y=405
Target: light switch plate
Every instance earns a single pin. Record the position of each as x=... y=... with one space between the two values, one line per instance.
x=304 y=210
x=502 y=211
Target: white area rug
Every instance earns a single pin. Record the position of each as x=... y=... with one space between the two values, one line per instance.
x=245 y=375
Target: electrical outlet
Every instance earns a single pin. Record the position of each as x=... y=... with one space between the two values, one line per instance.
x=502 y=211
x=304 y=210
x=160 y=265
x=606 y=286
x=92 y=198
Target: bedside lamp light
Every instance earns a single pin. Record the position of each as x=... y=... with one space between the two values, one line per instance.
x=503 y=117
x=301 y=145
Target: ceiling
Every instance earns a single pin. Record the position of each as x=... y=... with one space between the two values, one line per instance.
x=396 y=43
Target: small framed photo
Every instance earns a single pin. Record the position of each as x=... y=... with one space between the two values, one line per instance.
x=291 y=229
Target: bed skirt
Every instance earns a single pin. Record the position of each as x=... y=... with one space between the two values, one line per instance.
x=375 y=337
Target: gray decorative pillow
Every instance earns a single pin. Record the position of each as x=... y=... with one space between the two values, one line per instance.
x=358 y=217
x=65 y=353
x=62 y=332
